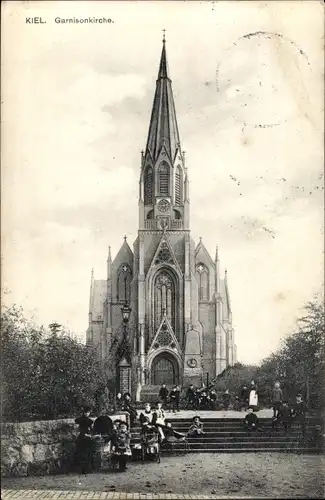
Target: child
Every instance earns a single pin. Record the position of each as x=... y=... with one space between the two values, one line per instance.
x=146 y=418
x=171 y=435
x=277 y=396
x=158 y=420
x=196 y=428
x=284 y=416
x=121 y=445
x=251 y=420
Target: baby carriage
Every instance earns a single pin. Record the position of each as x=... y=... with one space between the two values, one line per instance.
x=150 y=445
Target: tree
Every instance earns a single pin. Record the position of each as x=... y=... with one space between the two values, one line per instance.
x=45 y=374
x=235 y=377
x=300 y=362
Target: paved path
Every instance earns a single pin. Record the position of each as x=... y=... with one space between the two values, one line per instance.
x=93 y=495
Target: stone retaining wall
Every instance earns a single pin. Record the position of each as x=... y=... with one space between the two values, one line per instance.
x=41 y=447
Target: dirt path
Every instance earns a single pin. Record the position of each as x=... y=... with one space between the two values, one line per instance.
x=261 y=474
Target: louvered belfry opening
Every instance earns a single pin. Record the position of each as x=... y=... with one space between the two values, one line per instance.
x=164 y=179
x=178 y=186
x=148 y=185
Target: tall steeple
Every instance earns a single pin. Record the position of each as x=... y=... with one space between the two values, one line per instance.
x=163 y=129
x=163 y=193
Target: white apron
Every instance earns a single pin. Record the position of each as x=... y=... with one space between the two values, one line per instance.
x=253 y=398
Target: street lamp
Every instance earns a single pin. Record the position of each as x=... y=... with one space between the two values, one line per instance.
x=126 y=311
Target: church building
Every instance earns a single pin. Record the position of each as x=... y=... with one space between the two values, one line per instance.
x=180 y=324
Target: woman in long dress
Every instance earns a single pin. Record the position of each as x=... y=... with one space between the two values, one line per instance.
x=253 y=396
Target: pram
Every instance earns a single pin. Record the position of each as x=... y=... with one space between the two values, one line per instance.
x=150 y=446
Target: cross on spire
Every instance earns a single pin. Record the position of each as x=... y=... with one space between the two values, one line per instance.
x=125 y=237
x=164 y=35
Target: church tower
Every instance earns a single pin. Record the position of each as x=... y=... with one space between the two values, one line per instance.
x=180 y=326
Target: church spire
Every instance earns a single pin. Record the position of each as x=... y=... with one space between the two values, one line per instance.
x=163 y=129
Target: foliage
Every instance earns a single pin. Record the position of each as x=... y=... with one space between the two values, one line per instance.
x=46 y=374
x=299 y=364
x=235 y=377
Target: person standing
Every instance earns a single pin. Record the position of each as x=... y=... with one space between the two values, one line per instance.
x=191 y=397
x=84 y=442
x=244 y=397
x=226 y=399
x=299 y=413
x=129 y=408
x=158 y=420
x=284 y=416
x=253 y=396
x=277 y=397
x=174 y=398
x=121 y=449
x=163 y=395
x=118 y=403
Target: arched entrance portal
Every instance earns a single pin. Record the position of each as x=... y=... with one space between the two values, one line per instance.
x=164 y=369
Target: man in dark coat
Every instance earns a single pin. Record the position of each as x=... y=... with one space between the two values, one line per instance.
x=129 y=408
x=299 y=413
x=284 y=416
x=226 y=399
x=174 y=398
x=163 y=395
x=244 y=395
x=191 y=396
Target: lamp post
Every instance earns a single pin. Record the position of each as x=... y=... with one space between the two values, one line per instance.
x=126 y=311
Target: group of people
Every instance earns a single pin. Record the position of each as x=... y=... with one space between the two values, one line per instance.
x=283 y=413
x=206 y=398
x=155 y=419
x=112 y=435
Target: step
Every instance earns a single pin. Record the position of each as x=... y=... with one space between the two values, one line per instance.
x=244 y=450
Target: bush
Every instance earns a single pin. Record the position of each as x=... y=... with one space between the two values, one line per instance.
x=46 y=375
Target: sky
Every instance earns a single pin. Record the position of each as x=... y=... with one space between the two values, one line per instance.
x=248 y=89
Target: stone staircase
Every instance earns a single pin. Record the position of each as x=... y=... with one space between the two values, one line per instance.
x=229 y=436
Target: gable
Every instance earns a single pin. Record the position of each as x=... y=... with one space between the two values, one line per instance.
x=165 y=337
x=165 y=255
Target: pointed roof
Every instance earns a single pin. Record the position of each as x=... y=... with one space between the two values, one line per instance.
x=163 y=129
x=124 y=252
x=165 y=336
x=200 y=247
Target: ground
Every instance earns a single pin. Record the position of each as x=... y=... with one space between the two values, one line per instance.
x=273 y=475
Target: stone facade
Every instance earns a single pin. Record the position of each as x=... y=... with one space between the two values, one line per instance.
x=181 y=321
x=40 y=447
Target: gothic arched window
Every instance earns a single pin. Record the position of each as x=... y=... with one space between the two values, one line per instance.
x=178 y=186
x=164 y=299
x=148 y=183
x=163 y=179
x=202 y=275
x=124 y=278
